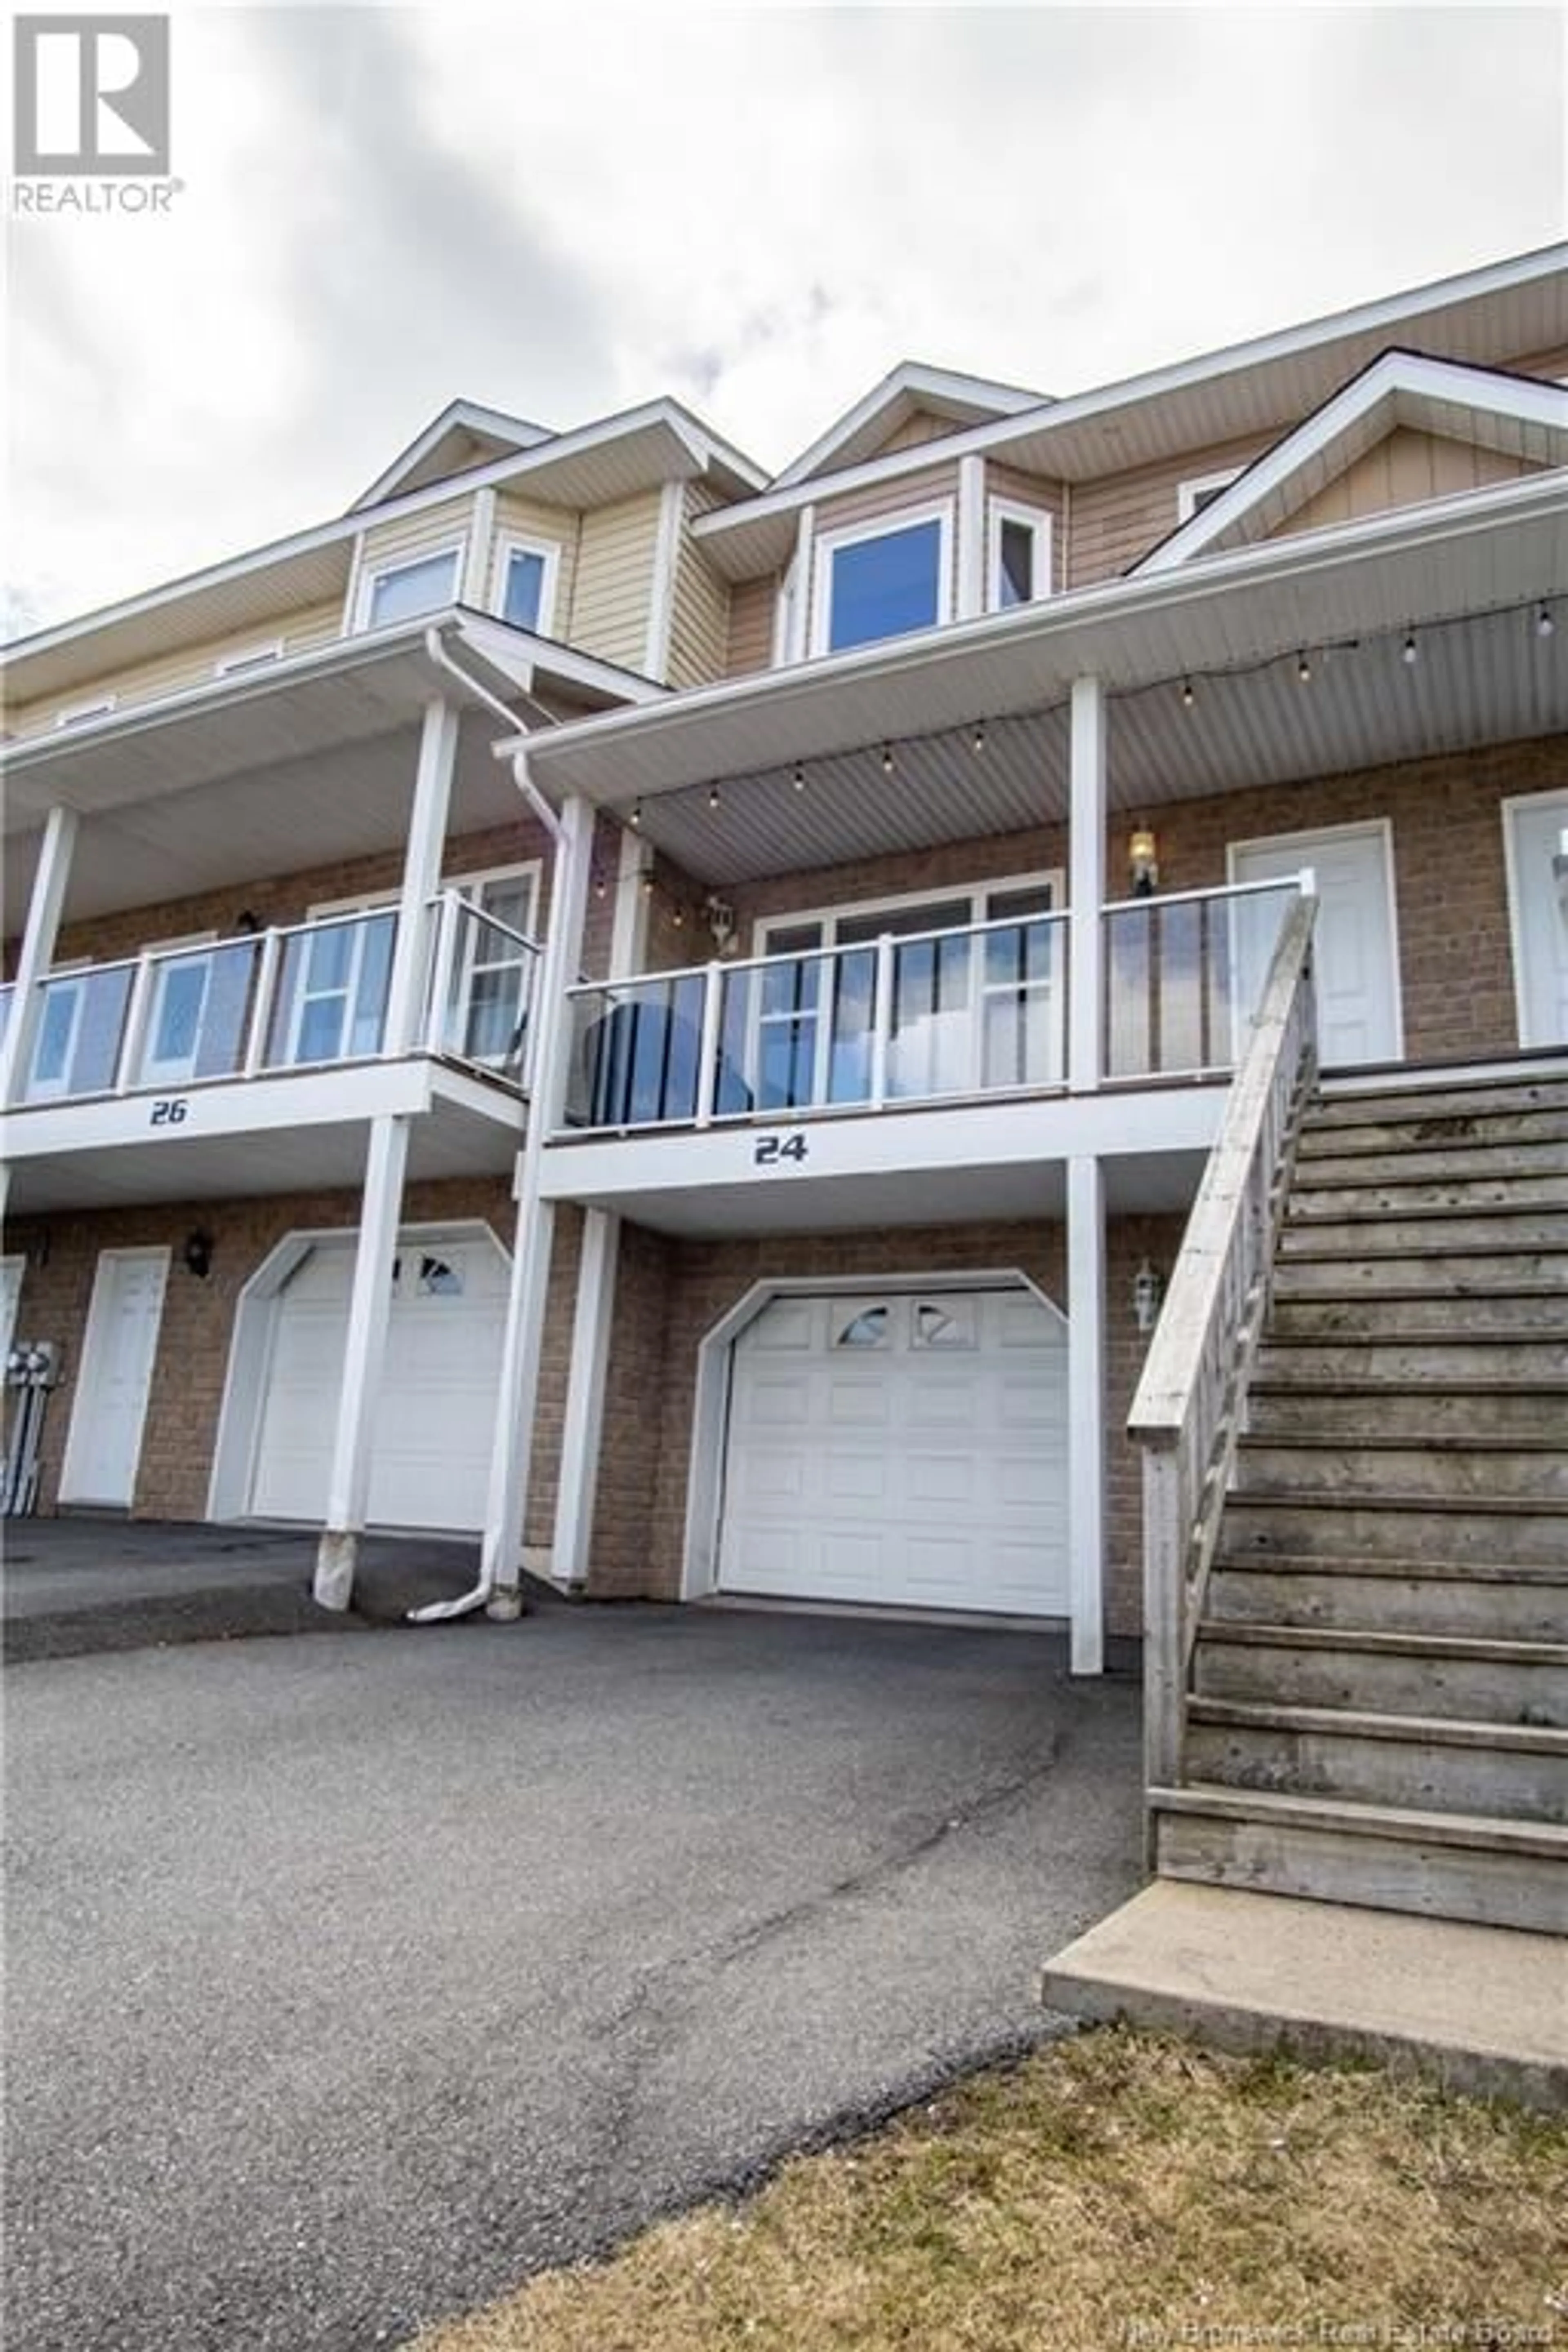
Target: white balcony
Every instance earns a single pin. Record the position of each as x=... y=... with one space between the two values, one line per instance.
x=277 y=1043
x=914 y=1075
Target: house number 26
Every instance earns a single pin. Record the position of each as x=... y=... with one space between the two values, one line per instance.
x=769 y=1150
x=171 y=1112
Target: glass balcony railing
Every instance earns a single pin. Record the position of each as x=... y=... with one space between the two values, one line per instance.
x=1182 y=975
x=305 y=997
x=917 y=1018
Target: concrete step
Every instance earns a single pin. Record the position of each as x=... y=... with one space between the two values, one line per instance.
x=1390 y=1313
x=1412 y=1359
x=1478 y=2009
x=1398 y=1196
x=1311 y=1270
x=1384 y=1673
x=1506 y=1130
x=1458 y=1598
x=1292 y=1402
x=1389 y=1857
x=1380 y=1105
x=1331 y=1527
x=1432 y=1763
x=1421 y=1231
x=1479 y=1471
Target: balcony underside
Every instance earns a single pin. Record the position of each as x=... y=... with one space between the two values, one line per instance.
x=304 y=1131
x=965 y=1162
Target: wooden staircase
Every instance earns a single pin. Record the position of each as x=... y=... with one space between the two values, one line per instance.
x=1375 y=1709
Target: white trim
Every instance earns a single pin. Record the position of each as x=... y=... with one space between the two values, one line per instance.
x=83 y=1404
x=1201 y=489
x=661 y=593
x=628 y=934
x=251 y=657
x=1401 y=385
x=1051 y=878
x=583 y=1422
x=974 y=539
x=1311 y=837
x=76 y=714
x=369 y=902
x=1087 y=1410
x=508 y=543
x=828 y=545
x=374 y=572
x=1037 y=520
x=1087 y=795
x=457 y=416
x=711 y=1404
x=1512 y=802
x=231 y=1480
x=477 y=560
x=913 y=387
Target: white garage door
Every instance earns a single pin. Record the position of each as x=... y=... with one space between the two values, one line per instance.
x=906 y=1449
x=431 y=1459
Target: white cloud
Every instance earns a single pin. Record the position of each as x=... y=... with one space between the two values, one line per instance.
x=760 y=209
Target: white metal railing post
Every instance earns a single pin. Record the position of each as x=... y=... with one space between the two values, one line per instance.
x=421 y=875
x=438 y=1013
x=261 y=1004
x=881 y=1019
x=708 y=1044
x=134 y=1029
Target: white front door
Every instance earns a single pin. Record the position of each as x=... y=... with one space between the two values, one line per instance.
x=1537 y=838
x=118 y=1351
x=1356 y=958
x=907 y=1448
x=435 y=1413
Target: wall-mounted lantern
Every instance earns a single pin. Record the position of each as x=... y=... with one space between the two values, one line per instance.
x=1143 y=862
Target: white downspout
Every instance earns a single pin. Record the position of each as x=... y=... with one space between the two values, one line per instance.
x=436 y=646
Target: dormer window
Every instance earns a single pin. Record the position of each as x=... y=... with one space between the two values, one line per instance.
x=1019 y=555
x=882 y=581
x=401 y=592
x=525 y=583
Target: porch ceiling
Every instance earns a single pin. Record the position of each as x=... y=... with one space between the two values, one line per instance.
x=1484 y=680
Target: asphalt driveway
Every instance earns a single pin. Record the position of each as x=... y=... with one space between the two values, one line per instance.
x=348 y=1981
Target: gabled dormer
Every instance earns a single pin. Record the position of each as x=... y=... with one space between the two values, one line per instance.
x=462 y=437
x=912 y=405
x=1407 y=429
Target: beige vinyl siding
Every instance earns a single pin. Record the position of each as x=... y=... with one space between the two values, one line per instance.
x=753 y=607
x=411 y=536
x=699 y=617
x=1117 y=520
x=1029 y=490
x=192 y=666
x=557 y=527
x=1403 y=470
x=613 y=587
x=914 y=431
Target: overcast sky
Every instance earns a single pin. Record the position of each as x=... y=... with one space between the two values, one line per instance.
x=757 y=209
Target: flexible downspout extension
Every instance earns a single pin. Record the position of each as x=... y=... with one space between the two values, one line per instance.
x=554 y=972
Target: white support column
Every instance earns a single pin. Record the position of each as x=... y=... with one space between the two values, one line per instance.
x=585 y=1418
x=970 y=599
x=661 y=602
x=1086 y=1414
x=421 y=875
x=797 y=634
x=1086 y=852
x=628 y=937
x=511 y=1456
x=370 y=1307
x=45 y=907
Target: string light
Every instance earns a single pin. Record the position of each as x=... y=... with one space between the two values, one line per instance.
x=1303 y=670
x=977 y=740
x=887 y=759
x=1544 y=623
x=647 y=886
x=636 y=815
x=1410 y=652
x=712 y=796
x=1189 y=696
x=799 y=778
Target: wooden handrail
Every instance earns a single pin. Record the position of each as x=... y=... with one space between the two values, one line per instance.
x=1191 y=1401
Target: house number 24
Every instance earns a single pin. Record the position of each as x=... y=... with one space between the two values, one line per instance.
x=769 y=1150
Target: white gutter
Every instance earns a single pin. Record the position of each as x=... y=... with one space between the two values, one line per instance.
x=436 y=646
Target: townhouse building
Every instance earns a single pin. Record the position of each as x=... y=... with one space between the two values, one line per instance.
x=672 y=1021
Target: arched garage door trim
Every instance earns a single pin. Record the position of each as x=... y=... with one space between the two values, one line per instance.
x=709 y=1435
x=251 y=1351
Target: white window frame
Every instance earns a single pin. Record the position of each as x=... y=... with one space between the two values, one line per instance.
x=518 y=542
x=786 y=601
x=249 y=658
x=1037 y=520
x=829 y=544
x=77 y=714
x=366 y=902
x=828 y=920
x=1195 y=493
x=165 y=952
x=373 y=571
